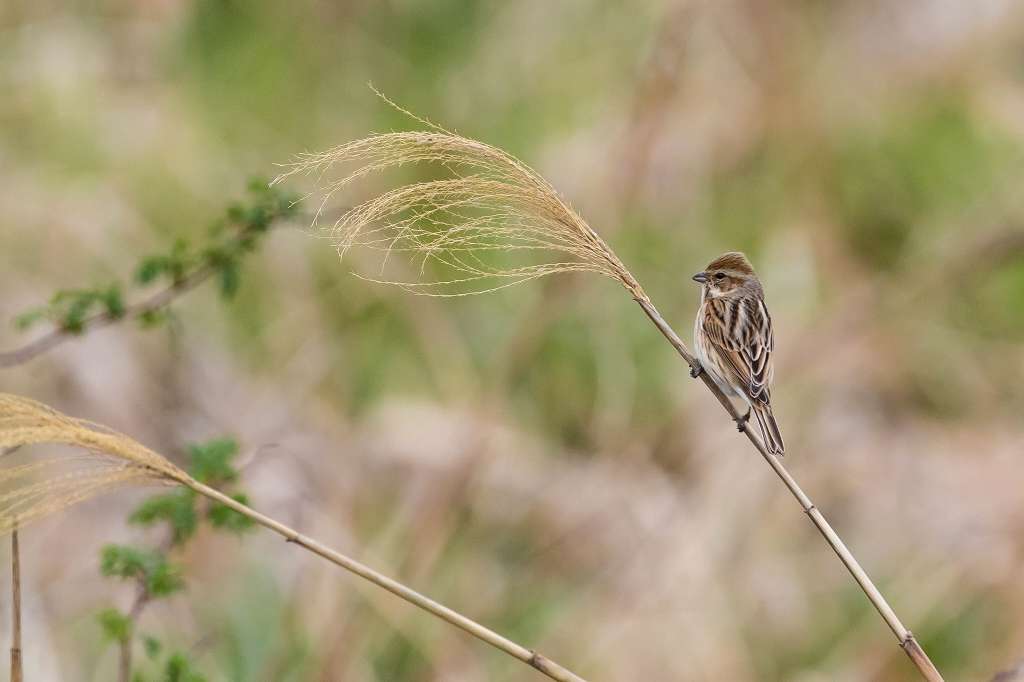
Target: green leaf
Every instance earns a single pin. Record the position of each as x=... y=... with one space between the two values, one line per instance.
x=160 y=577
x=179 y=669
x=225 y=518
x=217 y=256
x=180 y=260
x=258 y=218
x=116 y=625
x=176 y=508
x=248 y=242
x=30 y=317
x=153 y=318
x=71 y=308
x=268 y=204
x=150 y=269
x=235 y=214
x=122 y=561
x=211 y=461
x=224 y=259
x=229 y=277
x=174 y=265
x=113 y=301
x=152 y=646
x=286 y=203
x=259 y=186
x=164 y=579
x=73 y=320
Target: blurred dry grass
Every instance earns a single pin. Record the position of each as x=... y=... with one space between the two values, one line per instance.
x=532 y=458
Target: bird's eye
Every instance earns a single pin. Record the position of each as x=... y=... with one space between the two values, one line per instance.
x=720 y=276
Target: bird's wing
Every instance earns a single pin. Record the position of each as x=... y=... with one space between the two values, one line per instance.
x=741 y=331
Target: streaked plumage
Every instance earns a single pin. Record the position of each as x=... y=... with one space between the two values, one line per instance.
x=734 y=341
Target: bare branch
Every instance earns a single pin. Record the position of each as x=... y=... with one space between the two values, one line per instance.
x=196 y=275
x=153 y=303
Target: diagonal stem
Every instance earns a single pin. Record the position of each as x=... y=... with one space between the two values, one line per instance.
x=531 y=658
x=905 y=637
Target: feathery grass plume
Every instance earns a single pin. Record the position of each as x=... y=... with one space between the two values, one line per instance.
x=492 y=205
x=495 y=203
x=38 y=488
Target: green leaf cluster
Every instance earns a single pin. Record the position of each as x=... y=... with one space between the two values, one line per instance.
x=173 y=265
x=176 y=509
x=236 y=234
x=70 y=309
x=151 y=568
x=209 y=463
x=177 y=667
x=181 y=513
x=116 y=625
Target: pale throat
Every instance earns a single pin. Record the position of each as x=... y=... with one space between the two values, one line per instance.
x=707 y=291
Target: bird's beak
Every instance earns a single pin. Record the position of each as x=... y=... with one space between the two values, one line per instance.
x=701 y=277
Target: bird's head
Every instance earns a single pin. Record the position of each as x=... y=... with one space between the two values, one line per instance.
x=726 y=274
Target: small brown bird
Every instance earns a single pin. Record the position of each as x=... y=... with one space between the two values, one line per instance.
x=734 y=342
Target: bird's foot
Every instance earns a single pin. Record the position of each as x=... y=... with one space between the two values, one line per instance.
x=741 y=422
x=696 y=369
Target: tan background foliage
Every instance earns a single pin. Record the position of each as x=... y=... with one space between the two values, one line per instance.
x=537 y=457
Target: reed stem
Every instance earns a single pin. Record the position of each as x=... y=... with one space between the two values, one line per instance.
x=906 y=639
x=532 y=658
x=16 y=669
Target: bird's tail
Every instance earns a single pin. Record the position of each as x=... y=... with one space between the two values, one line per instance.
x=769 y=430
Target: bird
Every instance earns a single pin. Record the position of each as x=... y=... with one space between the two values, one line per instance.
x=734 y=342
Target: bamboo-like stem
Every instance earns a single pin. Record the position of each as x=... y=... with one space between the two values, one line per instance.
x=905 y=637
x=532 y=658
x=16 y=670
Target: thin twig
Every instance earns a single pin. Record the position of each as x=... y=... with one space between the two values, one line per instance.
x=16 y=671
x=124 y=666
x=532 y=658
x=152 y=304
x=905 y=637
x=142 y=599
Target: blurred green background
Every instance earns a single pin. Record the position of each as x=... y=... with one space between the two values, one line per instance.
x=538 y=458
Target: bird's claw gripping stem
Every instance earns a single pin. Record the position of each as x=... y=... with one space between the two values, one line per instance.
x=741 y=422
x=696 y=369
